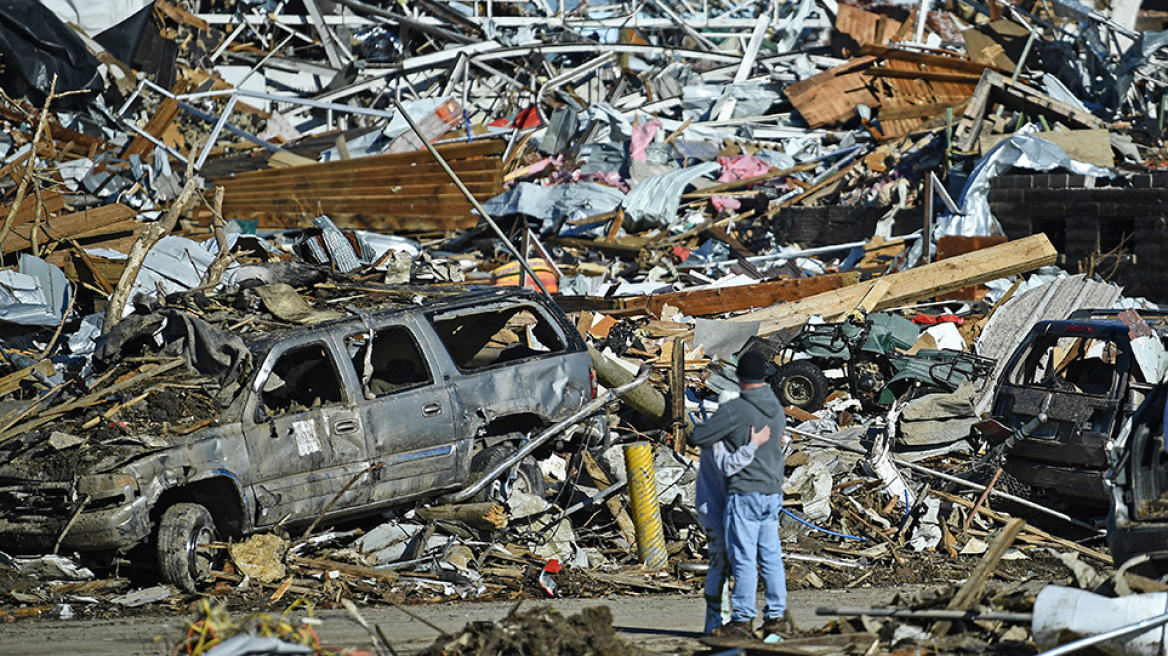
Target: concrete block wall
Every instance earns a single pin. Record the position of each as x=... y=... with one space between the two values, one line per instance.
x=1119 y=227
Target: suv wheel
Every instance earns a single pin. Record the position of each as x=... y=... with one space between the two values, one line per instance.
x=800 y=383
x=181 y=561
x=528 y=477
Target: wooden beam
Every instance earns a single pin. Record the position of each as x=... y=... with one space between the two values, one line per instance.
x=736 y=299
x=939 y=61
x=921 y=282
x=937 y=76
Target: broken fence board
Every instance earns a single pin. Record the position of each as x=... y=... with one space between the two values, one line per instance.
x=921 y=282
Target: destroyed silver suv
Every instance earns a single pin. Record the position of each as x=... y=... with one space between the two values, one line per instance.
x=340 y=418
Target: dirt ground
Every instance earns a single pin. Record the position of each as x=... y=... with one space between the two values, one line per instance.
x=657 y=623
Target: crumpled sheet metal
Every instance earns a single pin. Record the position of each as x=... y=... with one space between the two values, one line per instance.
x=36 y=296
x=654 y=202
x=1136 y=57
x=556 y=201
x=1023 y=150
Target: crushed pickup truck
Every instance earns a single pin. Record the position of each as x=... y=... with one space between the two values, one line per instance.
x=1066 y=393
x=342 y=417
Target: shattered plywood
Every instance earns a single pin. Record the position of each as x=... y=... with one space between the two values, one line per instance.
x=830 y=97
x=906 y=87
x=998 y=43
x=855 y=27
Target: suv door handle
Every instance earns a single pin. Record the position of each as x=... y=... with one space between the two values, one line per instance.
x=431 y=410
x=346 y=426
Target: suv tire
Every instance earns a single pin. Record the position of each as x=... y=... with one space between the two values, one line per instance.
x=528 y=477
x=802 y=384
x=181 y=562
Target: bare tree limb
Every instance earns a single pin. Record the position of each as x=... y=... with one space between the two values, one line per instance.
x=223 y=258
x=149 y=238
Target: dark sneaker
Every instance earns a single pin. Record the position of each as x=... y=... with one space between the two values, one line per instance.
x=734 y=630
x=780 y=626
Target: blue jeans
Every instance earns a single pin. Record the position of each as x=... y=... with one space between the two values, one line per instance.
x=752 y=538
x=717 y=577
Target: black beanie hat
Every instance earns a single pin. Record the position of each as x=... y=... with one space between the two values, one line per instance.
x=752 y=368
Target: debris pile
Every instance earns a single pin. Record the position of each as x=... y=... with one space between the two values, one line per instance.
x=273 y=237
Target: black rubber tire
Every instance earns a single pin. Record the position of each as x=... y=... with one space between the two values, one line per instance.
x=802 y=384
x=528 y=478
x=182 y=528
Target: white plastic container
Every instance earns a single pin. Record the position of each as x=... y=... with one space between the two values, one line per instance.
x=1065 y=614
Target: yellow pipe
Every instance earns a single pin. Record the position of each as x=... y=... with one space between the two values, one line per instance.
x=643 y=502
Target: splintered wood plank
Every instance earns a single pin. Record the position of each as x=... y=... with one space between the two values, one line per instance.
x=940 y=76
x=918 y=283
x=939 y=62
x=736 y=299
x=66 y=225
x=54 y=202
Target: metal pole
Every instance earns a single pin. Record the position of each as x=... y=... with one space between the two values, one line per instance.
x=927 y=242
x=953 y=479
x=470 y=197
x=969 y=615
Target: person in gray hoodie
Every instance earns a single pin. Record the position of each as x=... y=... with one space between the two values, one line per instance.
x=754 y=499
x=716 y=465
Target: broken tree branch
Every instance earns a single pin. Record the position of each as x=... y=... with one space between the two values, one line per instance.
x=223 y=258
x=150 y=237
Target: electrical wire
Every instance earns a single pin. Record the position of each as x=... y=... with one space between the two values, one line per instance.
x=821 y=529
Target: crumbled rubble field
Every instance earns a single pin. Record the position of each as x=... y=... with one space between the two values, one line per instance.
x=941 y=224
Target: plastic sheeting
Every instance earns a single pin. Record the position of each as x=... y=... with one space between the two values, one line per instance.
x=1025 y=150
x=38 y=46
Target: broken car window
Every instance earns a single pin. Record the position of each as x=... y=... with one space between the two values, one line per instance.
x=302 y=378
x=481 y=339
x=1072 y=364
x=394 y=363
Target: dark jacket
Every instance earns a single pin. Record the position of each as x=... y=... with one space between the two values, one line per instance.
x=731 y=424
